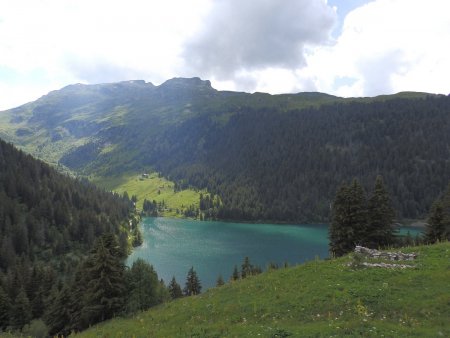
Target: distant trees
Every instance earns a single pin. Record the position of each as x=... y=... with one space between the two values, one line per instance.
x=292 y=172
x=356 y=221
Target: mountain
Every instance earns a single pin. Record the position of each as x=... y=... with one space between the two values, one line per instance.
x=267 y=157
x=294 y=302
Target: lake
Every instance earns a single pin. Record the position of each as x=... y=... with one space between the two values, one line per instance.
x=172 y=246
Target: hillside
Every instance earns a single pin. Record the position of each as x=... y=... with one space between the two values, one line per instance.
x=268 y=157
x=48 y=224
x=316 y=299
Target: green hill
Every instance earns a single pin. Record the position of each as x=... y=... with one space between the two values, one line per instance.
x=268 y=157
x=317 y=299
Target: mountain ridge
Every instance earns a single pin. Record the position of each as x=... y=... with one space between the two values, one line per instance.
x=272 y=157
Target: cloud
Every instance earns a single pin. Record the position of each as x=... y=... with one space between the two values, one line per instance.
x=239 y=37
x=92 y=41
x=380 y=47
x=387 y=46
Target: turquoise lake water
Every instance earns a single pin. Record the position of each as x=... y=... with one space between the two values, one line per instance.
x=172 y=246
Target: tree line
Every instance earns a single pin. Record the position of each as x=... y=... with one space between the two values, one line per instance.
x=272 y=164
x=369 y=221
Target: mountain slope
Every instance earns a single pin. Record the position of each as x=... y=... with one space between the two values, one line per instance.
x=48 y=223
x=344 y=301
x=269 y=157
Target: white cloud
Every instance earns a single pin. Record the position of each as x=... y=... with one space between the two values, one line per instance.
x=244 y=40
x=58 y=42
x=385 y=46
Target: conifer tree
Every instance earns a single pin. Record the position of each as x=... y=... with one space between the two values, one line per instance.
x=379 y=231
x=435 y=230
x=235 y=275
x=58 y=316
x=349 y=219
x=105 y=292
x=144 y=286
x=193 y=286
x=175 y=289
x=247 y=268
x=220 y=281
x=20 y=310
x=5 y=308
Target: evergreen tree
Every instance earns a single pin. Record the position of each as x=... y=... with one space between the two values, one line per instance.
x=220 y=281
x=235 y=275
x=38 y=303
x=247 y=268
x=5 y=308
x=349 y=219
x=379 y=231
x=144 y=287
x=175 y=289
x=105 y=292
x=58 y=315
x=193 y=286
x=435 y=230
x=20 y=310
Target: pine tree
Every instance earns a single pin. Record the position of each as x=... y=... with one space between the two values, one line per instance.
x=220 y=281
x=144 y=286
x=349 y=219
x=58 y=316
x=235 y=275
x=193 y=286
x=381 y=215
x=105 y=291
x=20 y=311
x=340 y=234
x=247 y=268
x=5 y=308
x=435 y=230
x=175 y=289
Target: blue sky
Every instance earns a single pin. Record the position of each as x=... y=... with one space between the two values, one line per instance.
x=341 y=47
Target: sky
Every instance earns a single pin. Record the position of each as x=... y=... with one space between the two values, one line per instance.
x=341 y=47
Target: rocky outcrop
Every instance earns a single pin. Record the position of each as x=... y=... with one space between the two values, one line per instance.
x=375 y=254
x=392 y=256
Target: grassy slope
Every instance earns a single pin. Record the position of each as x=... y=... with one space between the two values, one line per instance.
x=319 y=298
x=148 y=188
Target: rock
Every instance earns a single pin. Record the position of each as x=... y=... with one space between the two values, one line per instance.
x=393 y=256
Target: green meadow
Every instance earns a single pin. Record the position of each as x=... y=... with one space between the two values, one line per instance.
x=328 y=298
x=153 y=187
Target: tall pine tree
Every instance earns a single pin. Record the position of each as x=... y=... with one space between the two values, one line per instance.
x=349 y=219
x=379 y=231
x=144 y=287
x=175 y=289
x=105 y=291
x=193 y=286
x=435 y=230
x=5 y=308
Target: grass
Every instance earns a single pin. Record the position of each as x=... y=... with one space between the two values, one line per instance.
x=151 y=188
x=317 y=299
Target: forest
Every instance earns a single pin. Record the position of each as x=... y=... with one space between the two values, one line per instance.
x=49 y=222
x=276 y=158
x=266 y=164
